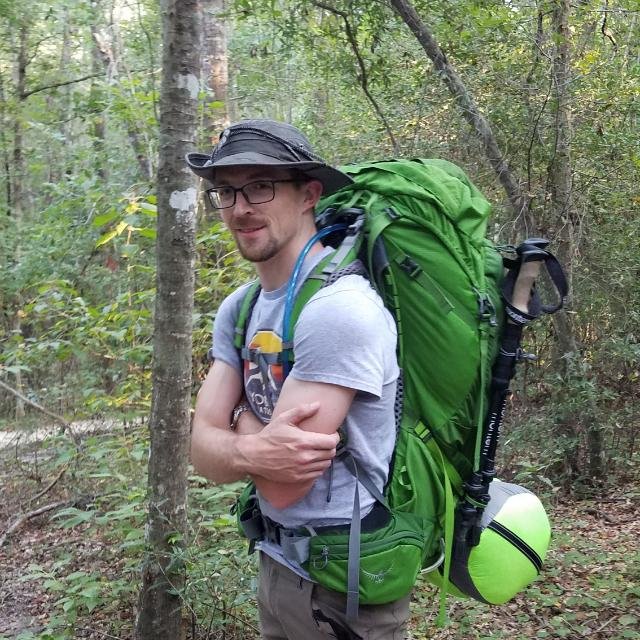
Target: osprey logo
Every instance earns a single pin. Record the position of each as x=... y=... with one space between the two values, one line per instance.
x=379 y=577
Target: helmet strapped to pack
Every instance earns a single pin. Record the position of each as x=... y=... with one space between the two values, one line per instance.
x=513 y=538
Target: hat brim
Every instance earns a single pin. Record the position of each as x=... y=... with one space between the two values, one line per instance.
x=332 y=180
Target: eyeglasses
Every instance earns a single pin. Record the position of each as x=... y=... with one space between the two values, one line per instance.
x=256 y=192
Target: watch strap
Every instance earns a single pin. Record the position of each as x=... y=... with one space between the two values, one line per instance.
x=241 y=407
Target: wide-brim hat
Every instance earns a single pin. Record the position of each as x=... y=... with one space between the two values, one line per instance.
x=266 y=143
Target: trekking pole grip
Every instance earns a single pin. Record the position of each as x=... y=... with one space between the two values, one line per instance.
x=524 y=284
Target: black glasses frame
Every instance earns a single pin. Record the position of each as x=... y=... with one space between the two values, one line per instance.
x=210 y=193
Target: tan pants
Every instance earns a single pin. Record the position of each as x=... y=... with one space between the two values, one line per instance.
x=292 y=608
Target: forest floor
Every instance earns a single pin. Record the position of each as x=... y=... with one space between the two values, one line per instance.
x=71 y=571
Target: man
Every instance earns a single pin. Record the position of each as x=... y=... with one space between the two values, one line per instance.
x=265 y=181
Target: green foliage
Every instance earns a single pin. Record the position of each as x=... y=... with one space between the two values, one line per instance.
x=221 y=576
x=219 y=271
x=220 y=588
x=79 y=591
x=111 y=468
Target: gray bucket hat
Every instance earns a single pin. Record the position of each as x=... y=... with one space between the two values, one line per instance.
x=266 y=143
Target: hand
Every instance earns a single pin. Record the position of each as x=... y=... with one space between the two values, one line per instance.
x=283 y=452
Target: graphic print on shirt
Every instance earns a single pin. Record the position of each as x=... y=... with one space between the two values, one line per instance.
x=263 y=379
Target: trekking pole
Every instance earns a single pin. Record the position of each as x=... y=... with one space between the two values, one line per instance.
x=518 y=316
x=522 y=304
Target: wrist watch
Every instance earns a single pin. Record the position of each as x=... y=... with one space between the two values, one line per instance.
x=242 y=406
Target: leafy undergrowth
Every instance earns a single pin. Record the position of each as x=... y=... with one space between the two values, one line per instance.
x=72 y=571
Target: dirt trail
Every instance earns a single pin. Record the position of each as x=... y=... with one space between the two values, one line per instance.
x=12 y=438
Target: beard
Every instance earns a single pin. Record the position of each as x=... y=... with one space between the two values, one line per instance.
x=258 y=252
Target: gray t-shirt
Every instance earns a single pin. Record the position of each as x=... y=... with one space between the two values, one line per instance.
x=343 y=336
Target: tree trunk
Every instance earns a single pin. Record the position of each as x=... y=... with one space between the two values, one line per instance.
x=106 y=57
x=596 y=447
x=560 y=171
x=564 y=217
x=159 y=616
x=470 y=112
x=63 y=167
x=17 y=187
x=99 y=62
x=20 y=79
x=215 y=68
x=136 y=133
x=6 y=164
x=561 y=174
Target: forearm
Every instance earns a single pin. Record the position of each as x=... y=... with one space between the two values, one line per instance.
x=216 y=451
x=218 y=454
x=282 y=494
x=271 y=490
x=280 y=451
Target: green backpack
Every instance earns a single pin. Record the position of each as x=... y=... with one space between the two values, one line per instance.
x=418 y=227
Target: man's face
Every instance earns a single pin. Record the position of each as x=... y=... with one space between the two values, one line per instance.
x=262 y=230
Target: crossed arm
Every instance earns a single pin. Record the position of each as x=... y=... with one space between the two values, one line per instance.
x=284 y=457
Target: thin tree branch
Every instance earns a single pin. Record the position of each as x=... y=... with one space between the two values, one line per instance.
x=19 y=522
x=35 y=405
x=470 y=110
x=534 y=133
x=50 y=485
x=606 y=624
x=362 y=76
x=55 y=85
x=151 y=61
x=606 y=32
x=100 y=633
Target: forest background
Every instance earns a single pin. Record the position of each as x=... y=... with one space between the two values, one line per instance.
x=557 y=85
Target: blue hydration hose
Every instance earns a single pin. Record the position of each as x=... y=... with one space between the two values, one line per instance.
x=291 y=291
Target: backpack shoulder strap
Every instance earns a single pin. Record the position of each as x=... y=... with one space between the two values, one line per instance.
x=246 y=308
x=342 y=261
x=325 y=273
